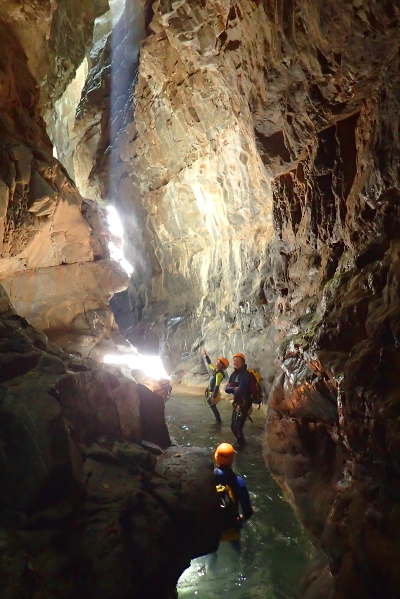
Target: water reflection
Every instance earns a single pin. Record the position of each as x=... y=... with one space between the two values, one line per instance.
x=274 y=551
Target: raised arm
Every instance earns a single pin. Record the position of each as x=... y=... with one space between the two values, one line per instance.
x=207 y=360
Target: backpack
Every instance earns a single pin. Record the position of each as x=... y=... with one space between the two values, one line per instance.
x=255 y=387
x=228 y=506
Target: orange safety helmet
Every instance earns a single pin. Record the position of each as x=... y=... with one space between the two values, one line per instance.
x=223 y=361
x=224 y=454
x=239 y=355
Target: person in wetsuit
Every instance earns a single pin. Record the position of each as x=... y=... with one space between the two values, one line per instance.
x=239 y=387
x=217 y=375
x=233 y=496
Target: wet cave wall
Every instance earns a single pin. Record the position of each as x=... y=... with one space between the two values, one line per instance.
x=186 y=212
x=54 y=261
x=90 y=486
x=252 y=150
x=257 y=169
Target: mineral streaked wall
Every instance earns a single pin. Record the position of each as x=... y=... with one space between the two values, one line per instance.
x=48 y=234
x=59 y=43
x=259 y=184
x=60 y=119
x=333 y=423
x=83 y=502
x=106 y=101
x=252 y=112
x=189 y=211
x=257 y=171
x=231 y=100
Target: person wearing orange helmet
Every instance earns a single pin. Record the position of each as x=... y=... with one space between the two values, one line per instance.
x=239 y=387
x=233 y=496
x=217 y=375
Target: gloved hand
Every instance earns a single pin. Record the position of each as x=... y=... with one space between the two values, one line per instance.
x=229 y=388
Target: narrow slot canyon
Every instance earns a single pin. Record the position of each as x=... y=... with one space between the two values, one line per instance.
x=188 y=187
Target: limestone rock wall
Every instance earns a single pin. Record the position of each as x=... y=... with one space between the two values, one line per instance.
x=54 y=260
x=257 y=171
x=253 y=153
x=233 y=100
x=106 y=100
x=190 y=202
x=229 y=107
x=332 y=428
x=53 y=37
x=90 y=486
x=60 y=120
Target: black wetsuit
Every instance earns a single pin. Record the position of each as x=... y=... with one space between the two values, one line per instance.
x=241 y=509
x=225 y=475
x=238 y=385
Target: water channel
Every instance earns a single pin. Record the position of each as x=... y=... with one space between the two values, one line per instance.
x=275 y=551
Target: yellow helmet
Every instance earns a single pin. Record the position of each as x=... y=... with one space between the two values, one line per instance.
x=224 y=454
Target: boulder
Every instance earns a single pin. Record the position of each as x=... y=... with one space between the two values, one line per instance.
x=86 y=509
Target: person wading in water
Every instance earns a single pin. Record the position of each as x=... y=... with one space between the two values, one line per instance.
x=213 y=392
x=239 y=387
x=233 y=496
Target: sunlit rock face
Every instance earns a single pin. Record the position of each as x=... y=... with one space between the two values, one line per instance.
x=106 y=98
x=60 y=120
x=86 y=508
x=54 y=260
x=231 y=101
x=191 y=202
x=260 y=186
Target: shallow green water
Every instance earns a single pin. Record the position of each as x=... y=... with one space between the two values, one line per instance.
x=275 y=551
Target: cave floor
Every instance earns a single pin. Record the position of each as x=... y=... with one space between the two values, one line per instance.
x=275 y=551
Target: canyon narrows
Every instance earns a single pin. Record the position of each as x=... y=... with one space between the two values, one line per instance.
x=252 y=150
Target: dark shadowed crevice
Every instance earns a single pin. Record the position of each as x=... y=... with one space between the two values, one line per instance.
x=272 y=146
x=346 y=134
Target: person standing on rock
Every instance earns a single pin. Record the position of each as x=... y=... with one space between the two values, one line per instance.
x=213 y=392
x=239 y=387
x=233 y=496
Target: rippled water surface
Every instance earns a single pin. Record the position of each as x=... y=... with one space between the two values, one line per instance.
x=275 y=551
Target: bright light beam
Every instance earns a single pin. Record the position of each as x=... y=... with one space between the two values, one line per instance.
x=115 y=247
x=151 y=366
